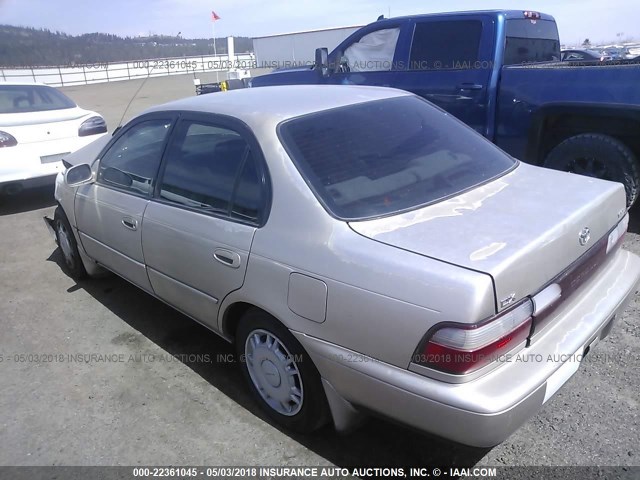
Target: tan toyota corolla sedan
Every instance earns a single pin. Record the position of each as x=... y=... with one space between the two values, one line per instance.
x=364 y=250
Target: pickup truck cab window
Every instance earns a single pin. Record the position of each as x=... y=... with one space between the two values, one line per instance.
x=373 y=52
x=445 y=45
x=132 y=162
x=531 y=41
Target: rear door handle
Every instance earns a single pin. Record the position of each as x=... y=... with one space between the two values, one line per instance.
x=470 y=86
x=227 y=257
x=130 y=223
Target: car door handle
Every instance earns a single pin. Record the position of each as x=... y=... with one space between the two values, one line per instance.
x=130 y=223
x=470 y=86
x=227 y=257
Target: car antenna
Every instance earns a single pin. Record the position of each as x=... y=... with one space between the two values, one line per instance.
x=133 y=98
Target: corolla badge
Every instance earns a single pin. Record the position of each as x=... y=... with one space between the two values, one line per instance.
x=584 y=236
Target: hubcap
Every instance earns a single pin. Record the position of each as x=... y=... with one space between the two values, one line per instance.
x=274 y=372
x=65 y=244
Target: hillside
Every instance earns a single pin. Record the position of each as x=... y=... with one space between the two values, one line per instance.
x=21 y=46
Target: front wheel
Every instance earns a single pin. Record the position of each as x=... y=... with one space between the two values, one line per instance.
x=600 y=156
x=68 y=245
x=281 y=377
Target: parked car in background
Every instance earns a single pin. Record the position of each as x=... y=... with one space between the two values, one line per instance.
x=583 y=55
x=364 y=251
x=617 y=53
x=499 y=72
x=39 y=125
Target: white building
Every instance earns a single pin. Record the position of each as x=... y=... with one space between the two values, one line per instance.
x=296 y=49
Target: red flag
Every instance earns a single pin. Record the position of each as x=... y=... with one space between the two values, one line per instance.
x=214 y=16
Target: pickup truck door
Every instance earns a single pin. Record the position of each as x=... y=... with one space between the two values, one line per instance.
x=208 y=203
x=109 y=211
x=449 y=62
x=368 y=57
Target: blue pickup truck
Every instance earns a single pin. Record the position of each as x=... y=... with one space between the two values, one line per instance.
x=499 y=72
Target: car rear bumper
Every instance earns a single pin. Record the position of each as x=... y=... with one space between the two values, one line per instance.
x=15 y=186
x=36 y=164
x=485 y=411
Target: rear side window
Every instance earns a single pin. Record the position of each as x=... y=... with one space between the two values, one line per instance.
x=212 y=169
x=445 y=45
x=531 y=41
x=248 y=196
x=387 y=156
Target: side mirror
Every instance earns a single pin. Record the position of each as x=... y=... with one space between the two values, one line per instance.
x=322 y=61
x=78 y=175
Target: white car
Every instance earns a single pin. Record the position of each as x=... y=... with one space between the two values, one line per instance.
x=39 y=125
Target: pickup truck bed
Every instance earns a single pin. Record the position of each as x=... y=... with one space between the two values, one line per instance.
x=540 y=105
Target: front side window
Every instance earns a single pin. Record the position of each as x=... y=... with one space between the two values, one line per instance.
x=132 y=162
x=373 y=52
x=388 y=156
x=445 y=45
x=213 y=169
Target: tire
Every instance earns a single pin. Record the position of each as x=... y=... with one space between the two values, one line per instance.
x=68 y=246
x=600 y=156
x=261 y=338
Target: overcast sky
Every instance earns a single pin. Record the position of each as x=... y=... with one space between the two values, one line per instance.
x=578 y=19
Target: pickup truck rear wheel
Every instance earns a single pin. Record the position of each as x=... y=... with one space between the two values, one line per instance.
x=280 y=374
x=600 y=156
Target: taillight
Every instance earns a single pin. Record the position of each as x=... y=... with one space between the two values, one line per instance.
x=532 y=15
x=92 y=126
x=7 y=140
x=461 y=349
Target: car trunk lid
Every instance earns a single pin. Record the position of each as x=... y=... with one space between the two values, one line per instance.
x=88 y=153
x=43 y=126
x=524 y=229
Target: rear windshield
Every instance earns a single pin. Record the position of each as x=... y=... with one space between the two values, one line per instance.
x=387 y=156
x=531 y=41
x=32 y=98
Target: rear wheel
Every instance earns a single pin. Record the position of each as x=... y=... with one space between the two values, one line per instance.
x=281 y=377
x=600 y=156
x=68 y=245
